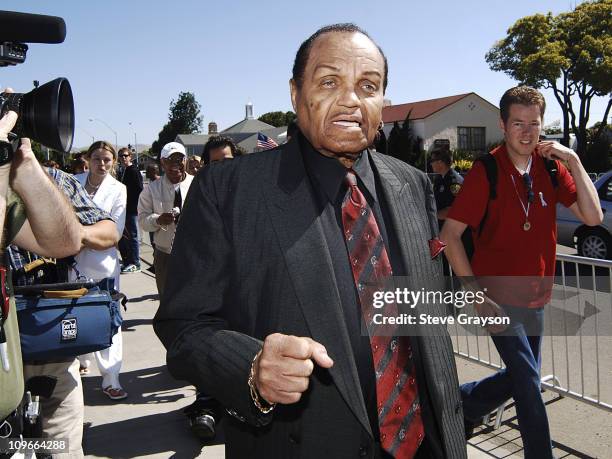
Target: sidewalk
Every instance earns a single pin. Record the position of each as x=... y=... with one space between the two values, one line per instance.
x=150 y=422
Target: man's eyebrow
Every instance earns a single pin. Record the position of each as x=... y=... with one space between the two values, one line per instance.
x=373 y=72
x=327 y=66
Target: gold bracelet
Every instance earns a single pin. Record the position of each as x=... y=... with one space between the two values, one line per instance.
x=261 y=404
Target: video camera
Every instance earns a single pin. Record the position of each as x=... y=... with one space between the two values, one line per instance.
x=46 y=114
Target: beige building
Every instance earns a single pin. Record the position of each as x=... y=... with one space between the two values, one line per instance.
x=243 y=134
x=465 y=121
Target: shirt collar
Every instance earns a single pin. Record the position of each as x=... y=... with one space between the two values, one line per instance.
x=329 y=173
x=507 y=164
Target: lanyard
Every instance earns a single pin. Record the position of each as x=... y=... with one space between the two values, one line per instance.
x=527 y=224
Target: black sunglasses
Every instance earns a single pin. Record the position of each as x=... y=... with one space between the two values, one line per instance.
x=528 y=184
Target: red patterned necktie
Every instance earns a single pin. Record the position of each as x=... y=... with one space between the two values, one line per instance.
x=399 y=411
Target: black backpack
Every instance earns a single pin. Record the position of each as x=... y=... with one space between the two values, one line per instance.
x=490 y=164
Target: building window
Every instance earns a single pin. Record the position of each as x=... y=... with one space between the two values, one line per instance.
x=471 y=138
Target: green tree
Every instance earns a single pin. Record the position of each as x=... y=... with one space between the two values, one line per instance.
x=183 y=118
x=394 y=143
x=43 y=154
x=278 y=119
x=600 y=147
x=570 y=53
x=380 y=142
x=404 y=145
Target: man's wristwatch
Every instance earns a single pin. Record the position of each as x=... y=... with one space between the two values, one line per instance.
x=6 y=152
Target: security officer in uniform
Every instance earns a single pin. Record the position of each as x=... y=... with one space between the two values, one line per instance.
x=447 y=185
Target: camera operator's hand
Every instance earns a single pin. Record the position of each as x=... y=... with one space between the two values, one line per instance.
x=6 y=124
x=8 y=121
x=24 y=167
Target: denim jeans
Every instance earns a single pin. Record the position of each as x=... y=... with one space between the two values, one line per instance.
x=128 y=245
x=520 y=348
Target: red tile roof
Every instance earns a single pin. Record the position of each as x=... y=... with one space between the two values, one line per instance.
x=420 y=110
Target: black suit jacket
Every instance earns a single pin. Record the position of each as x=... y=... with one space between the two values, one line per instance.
x=132 y=179
x=250 y=259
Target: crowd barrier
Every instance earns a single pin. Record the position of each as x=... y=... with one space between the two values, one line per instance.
x=575 y=363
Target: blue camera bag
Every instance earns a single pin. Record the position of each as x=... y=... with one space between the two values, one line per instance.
x=56 y=328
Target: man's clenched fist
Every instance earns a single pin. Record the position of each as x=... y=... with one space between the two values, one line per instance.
x=284 y=366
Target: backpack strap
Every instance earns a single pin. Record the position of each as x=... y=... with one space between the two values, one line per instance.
x=551 y=168
x=490 y=164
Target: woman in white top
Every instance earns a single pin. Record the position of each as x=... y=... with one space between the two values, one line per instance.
x=109 y=195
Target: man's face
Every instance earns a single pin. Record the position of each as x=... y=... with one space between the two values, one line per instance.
x=220 y=154
x=339 y=106
x=174 y=167
x=125 y=158
x=193 y=165
x=438 y=166
x=522 y=129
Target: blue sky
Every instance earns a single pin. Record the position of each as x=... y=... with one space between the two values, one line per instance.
x=127 y=59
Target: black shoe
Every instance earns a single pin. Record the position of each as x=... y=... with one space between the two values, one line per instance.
x=470 y=426
x=202 y=424
x=202 y=418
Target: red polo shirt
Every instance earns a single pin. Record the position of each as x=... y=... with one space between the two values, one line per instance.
x=504 y=248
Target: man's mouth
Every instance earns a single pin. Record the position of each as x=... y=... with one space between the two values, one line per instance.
x=348 y=121
x=525 y=142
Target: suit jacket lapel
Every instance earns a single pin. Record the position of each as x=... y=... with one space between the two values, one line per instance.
x=412 y=214
x=395 y=192
x=407 y=215
x=296 y=220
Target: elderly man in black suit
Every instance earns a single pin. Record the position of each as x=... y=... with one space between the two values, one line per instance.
x=266 y=306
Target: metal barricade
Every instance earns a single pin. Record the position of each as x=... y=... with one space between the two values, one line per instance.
x=574 y=364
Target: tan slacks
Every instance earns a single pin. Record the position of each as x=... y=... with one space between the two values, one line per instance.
x=160 y=262
x=63 y=412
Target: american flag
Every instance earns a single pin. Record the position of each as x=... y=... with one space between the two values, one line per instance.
x=264 y=142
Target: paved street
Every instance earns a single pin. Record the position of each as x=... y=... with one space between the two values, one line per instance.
x=149 y=423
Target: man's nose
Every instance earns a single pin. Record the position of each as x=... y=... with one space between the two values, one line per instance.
x=348 y=97
x=529 y=127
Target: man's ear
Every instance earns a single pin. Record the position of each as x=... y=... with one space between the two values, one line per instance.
x=502 y=126
x=294 y=93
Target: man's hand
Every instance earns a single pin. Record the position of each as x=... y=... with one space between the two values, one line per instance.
x=7 y=123
x=283 y=369
x=554 y=150
x=24 y=166
x=491 y=309
x=165 y=219
x=587 y=207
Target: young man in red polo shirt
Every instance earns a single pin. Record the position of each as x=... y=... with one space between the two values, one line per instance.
x=514 y=252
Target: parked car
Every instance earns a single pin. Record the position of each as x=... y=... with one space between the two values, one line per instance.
x=591 y=241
